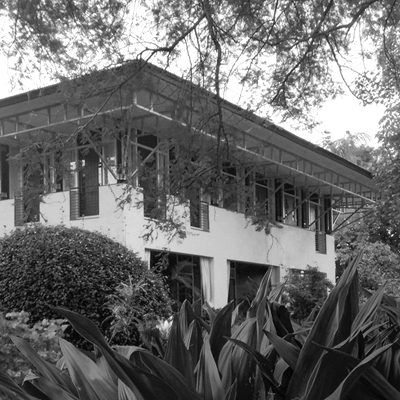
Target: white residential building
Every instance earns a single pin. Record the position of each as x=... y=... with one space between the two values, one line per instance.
x=301 y=189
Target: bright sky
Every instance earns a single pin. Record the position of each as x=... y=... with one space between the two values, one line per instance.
x=338 y=116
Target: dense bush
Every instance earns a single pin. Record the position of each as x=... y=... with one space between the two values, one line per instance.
x=43 y=267
x=43 y=336
x=306 y=291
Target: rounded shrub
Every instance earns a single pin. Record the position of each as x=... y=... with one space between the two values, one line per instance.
x=43 y=267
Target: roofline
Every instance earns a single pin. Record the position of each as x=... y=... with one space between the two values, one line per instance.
x=247 y=114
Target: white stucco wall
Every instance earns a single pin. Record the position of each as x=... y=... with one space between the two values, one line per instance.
x=230 y=237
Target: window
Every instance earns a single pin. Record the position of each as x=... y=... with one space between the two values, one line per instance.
x=262 y=195
x=314 y=222
x=4 y=173
x=183 y=276
x=245 y=279
x=199 y=214
x=85 y=174
x=152 y=176
x=291 y=202
x=230 y=198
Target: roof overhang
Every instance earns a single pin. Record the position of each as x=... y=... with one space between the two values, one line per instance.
x=157 y=107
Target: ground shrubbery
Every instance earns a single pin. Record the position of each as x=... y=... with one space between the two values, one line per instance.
x=137 y=307
x=43 y=336
x=348 y=353
x=43 y=267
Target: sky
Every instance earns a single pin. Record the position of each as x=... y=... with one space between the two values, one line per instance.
x=345 y=113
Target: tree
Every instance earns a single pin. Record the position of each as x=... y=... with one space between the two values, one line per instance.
x=285 y=49
x=353 y=147
x=306 y=290
x=280 y=55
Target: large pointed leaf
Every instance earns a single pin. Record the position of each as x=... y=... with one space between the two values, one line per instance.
x=147 y=361
x=345 y=387
x=281 y=318
x=261 y=295
x=329 y=372
x=281 y=367
x=124 y=393
x=176 y=353
x=193 y=340
x=263 y=364
x=48 y=371
x=186 y=316
x=92 y=381
x=234 y=363
x=221 y=329
x=143 y=384
x=208 y=382
x=288 y=351
x=332 y=326
x=211 y=313
x=48 y=390
x=11 y=388
x=231 y=394
x=367 y=312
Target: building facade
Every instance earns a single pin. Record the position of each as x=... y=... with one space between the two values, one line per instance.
x=79 y=154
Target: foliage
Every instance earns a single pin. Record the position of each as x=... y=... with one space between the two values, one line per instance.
x=306 y=290
x=378 y=264
x=284 y=49
x=345 y=354
x=43 y=336
x=137 y=307
x=352 y=147
x=43 y=267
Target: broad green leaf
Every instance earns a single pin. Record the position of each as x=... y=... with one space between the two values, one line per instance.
x=176 y=353
x=193 y=340
x=231 y=394
x=332 y=326
x=378 y=382
x=263 y=364
x=276 y=294
x=211 y=313
x=367 y=312
x=220 y=329
x=234 y=363
x=47 y=370
x=143 y=384
x=235 y=313
x=288 y=351
x=49 y=389
x=281 y=367
x=208 y=383
x=261 y=295
x=12 y=389
x=92 y=381
x=149 y=362
x=281 y=318
x=345 y=387
x=329 y=372
x=124 y=393
x=186 y=316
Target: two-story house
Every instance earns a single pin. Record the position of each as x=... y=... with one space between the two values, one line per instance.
x=118 y=151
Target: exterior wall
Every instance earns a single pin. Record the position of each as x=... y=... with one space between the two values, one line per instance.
x=230 y=237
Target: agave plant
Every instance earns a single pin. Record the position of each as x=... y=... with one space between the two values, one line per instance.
x=346 y=352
